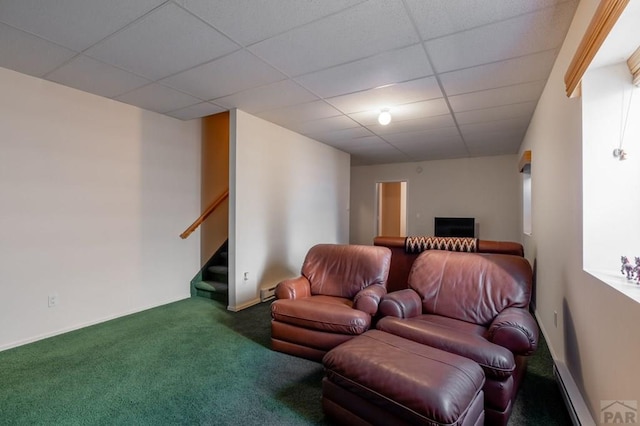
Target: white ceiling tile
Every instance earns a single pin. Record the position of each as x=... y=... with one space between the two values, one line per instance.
x=403 y=113
x=477 y=139
x=528 y=68
x=438 y=150
x=388 y=96
x=422 y=109
x=526 y=34
x=488 y=151
x=521 y=110
x=158 y=98
x=164 y=42
x=329 y=124
x=437 y=18
x=76 y=24
x=434 y=148
x=430 y=143
x=425 y=136
x=384 y=157
x=340 y=137
x=361 y=31
x=394 y=66
x=373 y=150
x=495 y=97
x=312 y=55
x=234 y=73
x=508 y=125
x=366 y=118
x=369 y=143
x=417 y=125
x=363 y=160
x=299 y=113
x=196 y=111
x=93 y=76
x=272 y=96
x=249 y=21
x=495 y=144
x=43 y=56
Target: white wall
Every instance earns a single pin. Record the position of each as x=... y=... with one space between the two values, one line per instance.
x=287 y=193
x=487 y=188
x=596 y=335
x=93 y=196
x=611 y=186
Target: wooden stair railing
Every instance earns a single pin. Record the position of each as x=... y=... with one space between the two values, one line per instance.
x=205 y=214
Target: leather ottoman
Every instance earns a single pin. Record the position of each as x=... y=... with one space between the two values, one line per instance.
x=381 y=379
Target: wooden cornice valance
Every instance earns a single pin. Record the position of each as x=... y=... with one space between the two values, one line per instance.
x=603 y=20
x=634 y=66
x=525 y=161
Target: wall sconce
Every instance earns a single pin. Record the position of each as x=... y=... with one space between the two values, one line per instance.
x=385 y=117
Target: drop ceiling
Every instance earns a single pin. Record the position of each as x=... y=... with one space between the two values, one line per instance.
x=460 y=77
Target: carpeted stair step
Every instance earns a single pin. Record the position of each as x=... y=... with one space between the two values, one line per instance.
x=219 y=269
x=212 y=286
x=217 y=273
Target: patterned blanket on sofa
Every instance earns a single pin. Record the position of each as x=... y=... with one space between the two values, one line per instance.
x=420 y=244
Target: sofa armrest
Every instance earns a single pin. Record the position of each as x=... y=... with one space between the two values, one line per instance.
x=294 y=288
x=516 y=330
x=368 y=299
x=401 y=304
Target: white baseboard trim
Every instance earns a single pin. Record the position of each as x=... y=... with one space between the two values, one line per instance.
x=84 y=324
x=576 y=406
x=578 y=411
x=244 y=305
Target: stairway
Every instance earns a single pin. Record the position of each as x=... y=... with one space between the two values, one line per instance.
x=213 y=282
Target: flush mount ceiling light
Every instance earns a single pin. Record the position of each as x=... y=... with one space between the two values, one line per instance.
x=385 y=117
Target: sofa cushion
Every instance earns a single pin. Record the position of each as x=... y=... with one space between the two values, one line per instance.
x=324 y=313
x=284 y=333
x=456 y=337
x=471 y=287
x=344 y=270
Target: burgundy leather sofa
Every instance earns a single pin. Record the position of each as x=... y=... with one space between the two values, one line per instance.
x=333 y=300
x=473 y=305
x=404 y=253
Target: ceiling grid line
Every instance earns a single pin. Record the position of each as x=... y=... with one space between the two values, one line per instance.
x=461 y=77
x=437 y=77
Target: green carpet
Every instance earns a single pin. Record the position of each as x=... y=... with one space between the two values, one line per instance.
x=191 y=362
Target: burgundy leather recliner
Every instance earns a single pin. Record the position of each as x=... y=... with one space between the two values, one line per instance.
x=333 y=300
x=474 y=305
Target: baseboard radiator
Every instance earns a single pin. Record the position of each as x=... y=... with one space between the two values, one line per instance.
x=577 y=408
x=267 y=294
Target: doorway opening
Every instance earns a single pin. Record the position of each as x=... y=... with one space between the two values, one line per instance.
x=392 y=209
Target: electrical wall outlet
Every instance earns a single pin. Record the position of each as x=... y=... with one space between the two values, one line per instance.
x=53 y=300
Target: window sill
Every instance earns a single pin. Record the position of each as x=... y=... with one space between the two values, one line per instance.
x=616 y=280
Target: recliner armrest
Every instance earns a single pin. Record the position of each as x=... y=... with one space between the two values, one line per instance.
x=401 y=304
x=294 y=288
x=516 y=330
x=368 y=299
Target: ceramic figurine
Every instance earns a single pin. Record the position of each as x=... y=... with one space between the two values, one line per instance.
x=627 y=268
